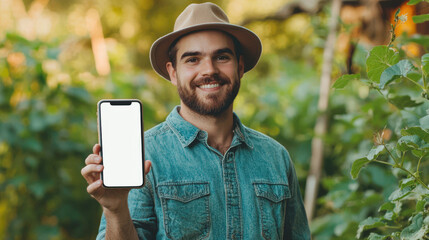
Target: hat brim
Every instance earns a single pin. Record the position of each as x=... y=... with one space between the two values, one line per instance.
x=250 y=45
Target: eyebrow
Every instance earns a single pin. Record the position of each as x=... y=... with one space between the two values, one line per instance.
x=196 y=53
x=187 y=54
x=224 y=50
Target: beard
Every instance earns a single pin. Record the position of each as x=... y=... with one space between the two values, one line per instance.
x=213 y=104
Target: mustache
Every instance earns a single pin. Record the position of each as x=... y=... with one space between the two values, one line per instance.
x=210 y=79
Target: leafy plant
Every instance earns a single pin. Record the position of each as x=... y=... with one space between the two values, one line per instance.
x=403 y=83
x=42 y=145
x=419 y=18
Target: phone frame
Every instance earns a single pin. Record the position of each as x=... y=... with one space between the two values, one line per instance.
x=120 y=102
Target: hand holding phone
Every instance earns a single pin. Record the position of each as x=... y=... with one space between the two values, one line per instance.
x=112 y=199
x=120 y=130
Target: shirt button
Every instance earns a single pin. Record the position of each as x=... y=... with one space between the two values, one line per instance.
x=201 y=134
x=230 y=157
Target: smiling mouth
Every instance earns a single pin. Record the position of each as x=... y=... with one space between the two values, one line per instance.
x=209 y=86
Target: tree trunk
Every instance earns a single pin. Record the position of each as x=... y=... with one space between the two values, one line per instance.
x=316 y=163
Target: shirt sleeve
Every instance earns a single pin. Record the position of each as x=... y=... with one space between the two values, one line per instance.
x=141 y=206
x=296 y=224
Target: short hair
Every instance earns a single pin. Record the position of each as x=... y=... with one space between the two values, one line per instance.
x=172 y=50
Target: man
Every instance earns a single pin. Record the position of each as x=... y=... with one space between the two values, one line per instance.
x=211 y=177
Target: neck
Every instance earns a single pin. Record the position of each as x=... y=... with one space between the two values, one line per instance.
x=219 y=128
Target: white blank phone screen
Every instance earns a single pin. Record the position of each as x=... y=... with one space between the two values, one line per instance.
x=121 y=144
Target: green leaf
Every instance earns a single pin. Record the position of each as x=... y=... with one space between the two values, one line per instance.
x=357 y=166
x=416 y=230
x=389 y=216
x=406 y=143
x=366 y=82
x=422 y=191
x=408 y=182
x=421 y=18
x=421 y=204
x=397 y=13
x=416 y=131
x=401 y=69
x=414 y=76
x=418 y=152
x=375 y=151
x=401 y=193
x=425 y=64
x=404 y=101
x=342 y=81
x=368 y=223
x=375 y=236
x=388 y=206
x=424 y=122
x=414 y=2
x=380 y=58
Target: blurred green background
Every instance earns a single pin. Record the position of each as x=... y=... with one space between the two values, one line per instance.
x=58 y=58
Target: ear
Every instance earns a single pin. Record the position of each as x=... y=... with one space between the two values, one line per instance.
x=172 y=73
x=241 y=67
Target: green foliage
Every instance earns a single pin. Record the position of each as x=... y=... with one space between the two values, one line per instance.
x=360 y=163
x=400 y=69
x=425 y=64
x=380 y=127
x=380 y=58
x=42 y=146
x=367 y=224
x=413 y=2
x=418 y=228
x=342 y=81
x=404 y=85
x=419 y=18
x=47 y=129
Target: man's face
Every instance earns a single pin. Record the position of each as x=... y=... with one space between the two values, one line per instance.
x=207 y=73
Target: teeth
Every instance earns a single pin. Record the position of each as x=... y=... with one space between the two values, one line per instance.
x=206 y=86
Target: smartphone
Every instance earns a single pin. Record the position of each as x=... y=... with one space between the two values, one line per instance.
x=120 y=133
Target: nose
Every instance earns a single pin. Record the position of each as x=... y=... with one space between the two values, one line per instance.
x=208 y=68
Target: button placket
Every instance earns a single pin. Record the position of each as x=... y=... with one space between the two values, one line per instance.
x=234 y=221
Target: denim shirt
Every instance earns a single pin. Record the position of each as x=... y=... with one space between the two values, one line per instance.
x=195 y=192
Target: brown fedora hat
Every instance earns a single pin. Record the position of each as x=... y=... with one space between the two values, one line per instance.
x=204 y=16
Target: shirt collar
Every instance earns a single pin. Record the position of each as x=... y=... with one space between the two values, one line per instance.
x=187 y=133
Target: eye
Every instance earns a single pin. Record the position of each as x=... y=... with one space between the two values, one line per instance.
x=223 y=58
x=191 y=60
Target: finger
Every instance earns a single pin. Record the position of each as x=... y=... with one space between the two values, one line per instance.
x=96 y=149
x=93 y=159
x=91 y=172
x=94 y=187
x=147 y=166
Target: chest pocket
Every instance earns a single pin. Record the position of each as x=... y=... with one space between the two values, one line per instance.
x=186 y=209
x=272 y=206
